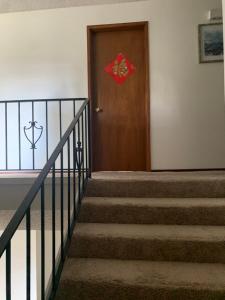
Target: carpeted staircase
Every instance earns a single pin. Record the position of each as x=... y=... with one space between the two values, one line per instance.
x=153 y=237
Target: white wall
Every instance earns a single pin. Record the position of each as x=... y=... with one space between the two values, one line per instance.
x=43 y=55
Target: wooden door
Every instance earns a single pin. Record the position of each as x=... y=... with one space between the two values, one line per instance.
x=119 y=95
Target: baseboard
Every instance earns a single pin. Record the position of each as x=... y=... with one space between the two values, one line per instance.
x=188 y=170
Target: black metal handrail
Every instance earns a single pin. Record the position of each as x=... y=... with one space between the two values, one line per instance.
x=79 y=161
x=27 y=130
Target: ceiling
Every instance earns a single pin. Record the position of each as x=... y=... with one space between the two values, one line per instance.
x=23 y=5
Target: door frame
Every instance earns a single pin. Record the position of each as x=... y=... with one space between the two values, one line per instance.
x=91 y=30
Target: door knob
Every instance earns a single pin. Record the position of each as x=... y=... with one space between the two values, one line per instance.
x=98 y=109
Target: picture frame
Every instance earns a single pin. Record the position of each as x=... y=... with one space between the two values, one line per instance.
x=211 y=48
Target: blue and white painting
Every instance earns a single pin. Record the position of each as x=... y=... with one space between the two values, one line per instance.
x=211 y=39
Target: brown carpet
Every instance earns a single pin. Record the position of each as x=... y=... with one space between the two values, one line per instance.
x=149 y=236
x=158 y=185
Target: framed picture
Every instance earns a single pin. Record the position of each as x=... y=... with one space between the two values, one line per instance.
x=211 y=43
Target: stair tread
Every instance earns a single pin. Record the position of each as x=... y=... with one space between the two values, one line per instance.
x=164 y=232
x=145 y=273
x=140 y=175
x=171 y=186
x=151 y=176
x=155 y=202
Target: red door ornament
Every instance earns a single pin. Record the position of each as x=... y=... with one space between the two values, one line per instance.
x=120 y=69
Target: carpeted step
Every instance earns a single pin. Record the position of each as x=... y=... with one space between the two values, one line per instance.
x=158 y=187
x=171 y=211
x=149 y=242
x=99 y=279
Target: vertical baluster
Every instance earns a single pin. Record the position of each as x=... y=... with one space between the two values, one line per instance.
x=28 y=248
x=89 y=140
x=86 y=143
x=74 y=108
x=8 y=271
x=60 y=118
x=82 y=135
x=62 y=206
x=19 y=135
x=6 y=138
x=79 y=163
x=74 y=172
x=68 y=166
x=33 y=159
x=46 y=121
x=42 y=242
x=53 y=229
x=74 y=163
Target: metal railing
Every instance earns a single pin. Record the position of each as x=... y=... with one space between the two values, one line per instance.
x=31 y=129
x=62 y=205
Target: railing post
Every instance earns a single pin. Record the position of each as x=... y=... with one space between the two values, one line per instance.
x=8 y=271
x=6 y=138
x=86 y=142
x=82 y=139
x=62 y=204
x=19 y=135
x=46 y=125
x=28 y=253
x=89 y=141
x=74 y=172
x=53 y=228
x=79 y=161
x=43 y=241
x=68 y=185
x=33 y=144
